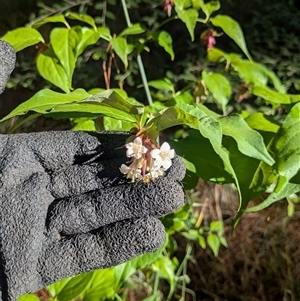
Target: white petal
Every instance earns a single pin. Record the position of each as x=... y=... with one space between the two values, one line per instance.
x=124 y=169
x=171 y=154
x=166 y=164
x=137 y=140
x=165 y=147
x=155 y=153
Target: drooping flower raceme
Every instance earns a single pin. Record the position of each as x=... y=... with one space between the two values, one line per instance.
x=148 y=160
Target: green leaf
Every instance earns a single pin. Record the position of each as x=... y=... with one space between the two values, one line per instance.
x=83 y=18
x=219 y=86
x=274 y=197
x=201 y=242
x=214 y=242
x=74 y=287
x=162 y=84
x=132 y=30
x=45 y=100
x=287 y=144
x=216 y=226
x=250 y=72
x=83 y=124
x=23 y=37
x=189 y=17
x=192 y=234
x=52 y=19
x=208 y=8
x=164 y=267
x=64 y=42
x=215 y=55
x=86 y=36
x=261 y=122
x=28 y=297
x=165 y=40
x=101 y=287
x=50 y=69
x=204 y=162
x=269 y=95
x=55 y=288
x=233 y=30
x=112 y=124
x=249 y=141
x=104 y=33
x=211 y=129
x=119 y=45
x=108 y=103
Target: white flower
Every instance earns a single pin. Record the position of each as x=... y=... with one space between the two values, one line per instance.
x=131 y=172
x=136 y=148
x=163 y=155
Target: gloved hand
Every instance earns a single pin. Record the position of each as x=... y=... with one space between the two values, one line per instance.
x=65 y=211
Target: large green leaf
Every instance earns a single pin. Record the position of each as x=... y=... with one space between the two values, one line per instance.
x=23 y=37
x=189 y=17
x=233 y=30
x=64 y=42
x=208 y=8
x=287 y=190
x=108 y=103
x=45 y=100
x=211 y=129
x=101 y=287
x=287 y=150
x=165 y=40
x=87 y=36
x=207 y=164
x=132 y=30
x=287 y=144
x=262 y=122
x=83 y=18
x=74 y=287
x=58 y=286
x=249 y=141
x=250 y=72
x=219 y=86
x=119 y=45
x=28 y=297
x=52 y=19
x=50 y=69
x=271 y=96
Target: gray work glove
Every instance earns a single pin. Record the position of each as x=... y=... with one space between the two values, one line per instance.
x=64 y=210
x=7 y=63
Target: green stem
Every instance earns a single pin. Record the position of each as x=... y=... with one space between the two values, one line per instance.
x=139 y=59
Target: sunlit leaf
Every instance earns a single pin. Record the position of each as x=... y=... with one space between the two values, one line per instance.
x=52 y=19
x=64 y=42
x=23 y=37
x=189 y=17
x=233 y=30
x=45 y=100
x=219 y=86
x=165 y=41
x=132 y=30
x=214 y=242
x=208 y=8
x=119 y=45
x=28 y=297
x=271 y=96
x=83 y=18
x=249 y=141
x=74 y=287
x=50 y=69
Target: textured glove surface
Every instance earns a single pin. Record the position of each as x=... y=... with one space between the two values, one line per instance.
x=7 y=63
x=64 y=210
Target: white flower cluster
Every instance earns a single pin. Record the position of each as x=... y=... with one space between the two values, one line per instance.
x=147 y=162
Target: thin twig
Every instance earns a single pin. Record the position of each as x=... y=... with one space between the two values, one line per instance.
x=72 y=4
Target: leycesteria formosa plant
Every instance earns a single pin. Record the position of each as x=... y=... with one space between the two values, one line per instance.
x=148 y=161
